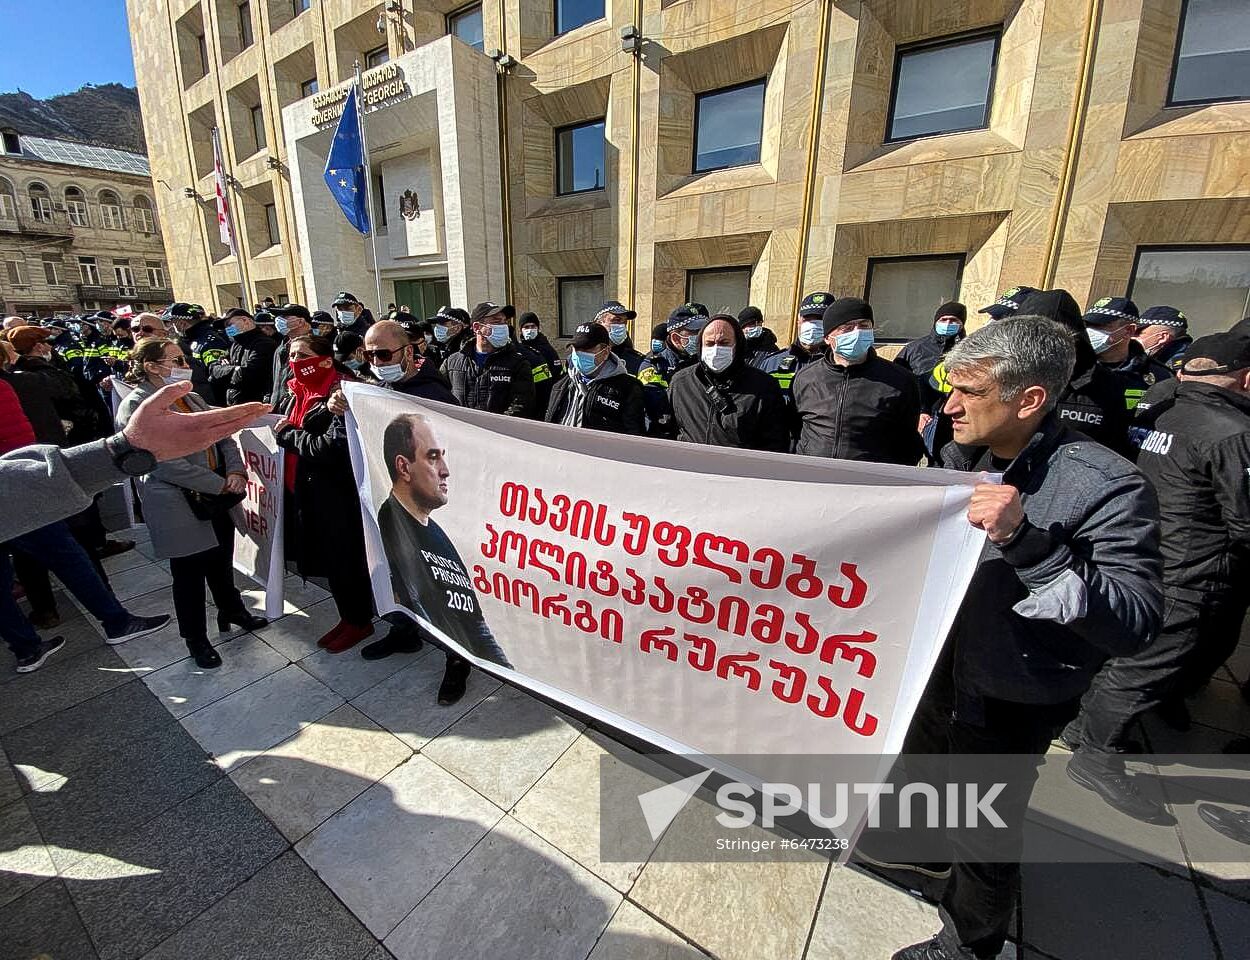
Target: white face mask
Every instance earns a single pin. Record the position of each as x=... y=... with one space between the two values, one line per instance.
x=811 y=333
x=177 y=375
x=717 y=358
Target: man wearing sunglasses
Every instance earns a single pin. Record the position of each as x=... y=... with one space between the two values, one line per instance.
x=144 y=326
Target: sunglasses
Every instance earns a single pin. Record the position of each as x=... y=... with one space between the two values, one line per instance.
x=176 y=361
x=384 y=356
x=147 y=330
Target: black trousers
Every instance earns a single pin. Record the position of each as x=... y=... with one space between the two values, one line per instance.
x=352 y=592
x=1197 y=636
x=213 y=567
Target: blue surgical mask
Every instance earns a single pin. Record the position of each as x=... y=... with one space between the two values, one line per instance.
x=691 y=346
x=390 y=373
x=855 y=345
x=529 y=333
x=1098 y=339
x=811 y=332
x=281 y=325
x=583 y=363
x=498 y=334
x=657 y=346
x=752 y=332
x=353 y=364
x=232 y=331
x=345 y=318
x=946 y=328
x=440 y=332
x=617 y=332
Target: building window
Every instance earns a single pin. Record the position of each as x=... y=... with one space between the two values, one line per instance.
x=40 y=203
x=942 y=86
x=111 y=211
x=76 y=207
x=202 y=43
x=299 y=6
x=156 y=274
x=145 y=222
x=52 y=269
x=376 y=57
x=728 y=127
x=12 y=143
x=1212 y=61
x=258 y=127
x=721 y=290
x=89 y=271
x=245 y=25
x=8 y=207
x=15 y=266
x=904 y=292
x=308 y=87
x=571 y=14
x=1210 y=285
x=579 y=158
x=466 y=23
x=125 y=278
x=379 y=201
x=580 y=299
x=271 y=221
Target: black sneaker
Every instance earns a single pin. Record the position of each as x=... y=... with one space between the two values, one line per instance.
x=932 y=950
x=136 y=627
x=455 y=680
x=935 y=871
x=32 y=662
x=1234 y=824
x=1118 y=789
x=397 y=640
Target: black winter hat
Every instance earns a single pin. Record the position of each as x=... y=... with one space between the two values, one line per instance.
x=846 y=310
x=659 y=331
x=750 y=315
x=527 y=318
x=952 y=308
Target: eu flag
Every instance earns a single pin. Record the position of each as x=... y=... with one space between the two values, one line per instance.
x=345 y=167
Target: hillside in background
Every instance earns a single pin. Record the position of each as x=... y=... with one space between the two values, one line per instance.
x=107 y=115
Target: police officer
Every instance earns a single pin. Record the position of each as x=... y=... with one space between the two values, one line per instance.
x=761 y=343
x=1110 y=325
x=488 y=372
x=722 y=400
x=852 y=404
x=324 y=325
x=614 y=317
x=1163 y=333
x=680 y=348
x=451 y=328
x=921 y=356
x=808 y=346
x=544 y=374
x=119 y=346
x=246 y=375
x=1195 y=449
x=532 y=336
x=659 y=333
x=203 y=345
x=598 y=393
x=350 y=314
x=1008 y=303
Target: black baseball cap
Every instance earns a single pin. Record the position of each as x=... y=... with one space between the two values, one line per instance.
x=183 y=311
x=1008 y=303
x=236 y=312
x=815 y=304
x=1164 y=317
x=484 y=310
x=322 y=318
x=1110 y=309
x=617 y=309
x=748 y=315
x=450 y=314
x=343 y=299
x=686 y=317
x=1230 y=351
x=587 y=336
x=293 y=310
x=263 y=318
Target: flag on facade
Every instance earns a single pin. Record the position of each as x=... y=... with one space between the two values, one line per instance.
x=224 y=223
x=345 y=167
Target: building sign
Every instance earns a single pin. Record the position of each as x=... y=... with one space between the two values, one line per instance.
x=378 y=85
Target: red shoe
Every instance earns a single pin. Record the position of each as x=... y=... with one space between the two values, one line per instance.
x=332 y=634
x=349 y=636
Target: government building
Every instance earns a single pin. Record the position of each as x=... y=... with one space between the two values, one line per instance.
x=79 y=230
x=554 y=153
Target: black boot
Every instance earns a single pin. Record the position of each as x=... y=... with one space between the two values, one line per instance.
x=243 y=618
x=206 y=658
x=455 y=680
x=1117 y=787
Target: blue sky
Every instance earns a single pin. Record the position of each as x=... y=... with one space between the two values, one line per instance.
x=55 y=46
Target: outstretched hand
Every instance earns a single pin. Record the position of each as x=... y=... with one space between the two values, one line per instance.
x=168 y=434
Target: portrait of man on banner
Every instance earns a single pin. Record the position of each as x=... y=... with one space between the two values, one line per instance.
x=428 y=575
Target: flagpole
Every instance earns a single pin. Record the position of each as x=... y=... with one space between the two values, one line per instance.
x=226 y=178
x=364 y=149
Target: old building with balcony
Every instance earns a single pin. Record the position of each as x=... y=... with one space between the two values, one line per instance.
x=79 y=229
x=729 y=151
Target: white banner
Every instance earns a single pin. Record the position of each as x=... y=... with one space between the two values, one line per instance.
x=119 y=390
x=712 y=601
x=258 y=550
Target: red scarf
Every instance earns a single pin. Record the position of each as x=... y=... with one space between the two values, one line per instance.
x=311 y=383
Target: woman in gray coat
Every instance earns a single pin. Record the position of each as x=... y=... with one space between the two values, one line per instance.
x=199 y=551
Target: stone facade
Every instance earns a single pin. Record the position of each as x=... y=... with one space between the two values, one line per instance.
x=1080 y=163
x=75 y=237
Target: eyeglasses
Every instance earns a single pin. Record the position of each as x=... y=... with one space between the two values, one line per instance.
x=178 y=361
x=147 y=330
x=383 y=355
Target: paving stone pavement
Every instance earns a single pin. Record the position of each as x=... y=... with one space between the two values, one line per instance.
x=295 y=804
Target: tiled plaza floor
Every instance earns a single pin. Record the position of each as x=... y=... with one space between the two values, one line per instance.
x=296 y=804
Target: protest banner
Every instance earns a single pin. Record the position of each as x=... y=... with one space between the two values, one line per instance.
x=119 y=390
x=711 y=601
x=258 y=550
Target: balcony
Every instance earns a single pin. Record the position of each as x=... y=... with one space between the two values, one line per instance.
x=142 y=294
x=52 y=225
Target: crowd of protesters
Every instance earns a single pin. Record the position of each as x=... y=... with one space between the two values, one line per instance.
x=1116 y=540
